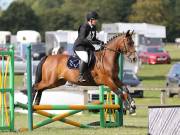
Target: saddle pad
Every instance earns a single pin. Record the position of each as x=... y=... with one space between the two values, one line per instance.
x=73 y=62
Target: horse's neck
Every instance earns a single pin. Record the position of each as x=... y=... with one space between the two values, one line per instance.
x=108 y=55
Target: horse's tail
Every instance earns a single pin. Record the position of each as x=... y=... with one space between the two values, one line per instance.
x=38 y=74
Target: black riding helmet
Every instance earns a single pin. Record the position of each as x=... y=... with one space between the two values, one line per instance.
x=92 y=15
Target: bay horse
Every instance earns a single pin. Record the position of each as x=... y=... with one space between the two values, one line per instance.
x=52 y=71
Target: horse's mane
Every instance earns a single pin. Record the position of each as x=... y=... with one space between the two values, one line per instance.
x=110 y=40
x=114 y=37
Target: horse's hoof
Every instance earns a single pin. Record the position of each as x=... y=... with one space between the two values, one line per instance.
x=133 y=114
x=69 y=84
x=132 y=111
x=82 y=81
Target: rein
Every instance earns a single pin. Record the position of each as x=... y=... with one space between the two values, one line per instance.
x=124 y=49
x=112 y=50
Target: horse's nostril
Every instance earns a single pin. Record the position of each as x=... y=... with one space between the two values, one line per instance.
x=130 y=60
x=134 y=59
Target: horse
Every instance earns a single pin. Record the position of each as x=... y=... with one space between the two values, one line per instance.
x=52 y=71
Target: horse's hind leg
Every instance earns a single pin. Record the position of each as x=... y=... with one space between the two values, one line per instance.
x=36 y=94
x=40 y=87
x=38 y=98
x=33 y=93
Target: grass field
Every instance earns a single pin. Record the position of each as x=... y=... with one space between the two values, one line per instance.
x=155 y=75
x=133 y=125
x=152 y=75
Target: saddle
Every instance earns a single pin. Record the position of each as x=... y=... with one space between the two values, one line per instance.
x=74 y=60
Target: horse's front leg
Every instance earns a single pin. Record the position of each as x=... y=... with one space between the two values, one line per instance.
x=112 y=85
x=122 y=93
x=128 y=101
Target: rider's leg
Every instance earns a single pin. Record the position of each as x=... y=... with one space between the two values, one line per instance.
x=83 y=55
x=82 y=69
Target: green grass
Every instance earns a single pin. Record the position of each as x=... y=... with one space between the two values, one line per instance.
x=18 y=81
x=152 y=75
x=133 y=125
x=174 y=52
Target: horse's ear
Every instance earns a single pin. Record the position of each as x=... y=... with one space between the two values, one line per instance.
x=132 y=32
x=128 y=33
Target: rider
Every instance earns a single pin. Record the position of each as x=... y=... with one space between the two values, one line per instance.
x=84 y=42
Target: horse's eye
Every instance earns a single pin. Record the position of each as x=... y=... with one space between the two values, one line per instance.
x=131 y=43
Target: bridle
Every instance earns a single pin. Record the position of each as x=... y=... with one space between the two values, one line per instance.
x=124 y=50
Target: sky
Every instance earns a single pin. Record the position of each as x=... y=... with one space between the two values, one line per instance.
x=5 y=3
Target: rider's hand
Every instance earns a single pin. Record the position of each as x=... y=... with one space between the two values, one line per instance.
x=102 y=43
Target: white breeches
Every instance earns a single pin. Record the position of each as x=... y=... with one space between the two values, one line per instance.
x=83 y=55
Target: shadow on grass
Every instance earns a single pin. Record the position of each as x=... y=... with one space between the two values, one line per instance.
x=130 y=126
x=69 y=129
x=153 y=77
x=152 y=97
x=175 y=60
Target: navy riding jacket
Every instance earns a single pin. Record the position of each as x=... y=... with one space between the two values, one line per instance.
x=86 y=37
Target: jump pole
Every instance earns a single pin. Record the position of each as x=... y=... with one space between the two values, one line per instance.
x=61 y=117
x=29 y=88
x=71 y=107
x=7 y=113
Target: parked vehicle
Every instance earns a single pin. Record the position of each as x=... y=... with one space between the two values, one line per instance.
x=5 y=37
x=28 y=36
x=131 y=80
x=154 y=55
x=19 y=64
x=38 y=51
x=173 y=80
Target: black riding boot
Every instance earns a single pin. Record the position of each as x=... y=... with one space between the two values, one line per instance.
x=82 y=68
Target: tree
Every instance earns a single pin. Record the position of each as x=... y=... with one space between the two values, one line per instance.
x=0 y=12
x=147 y=11
x=171 y=16
x=162 y=12
x=40 y=6
x=73 y=12
x=19 y=16
x=54 y=20
x=109 y=11
x=115 y=11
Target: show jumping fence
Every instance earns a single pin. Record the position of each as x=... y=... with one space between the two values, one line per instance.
x=111 y=114
x=7 y=90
